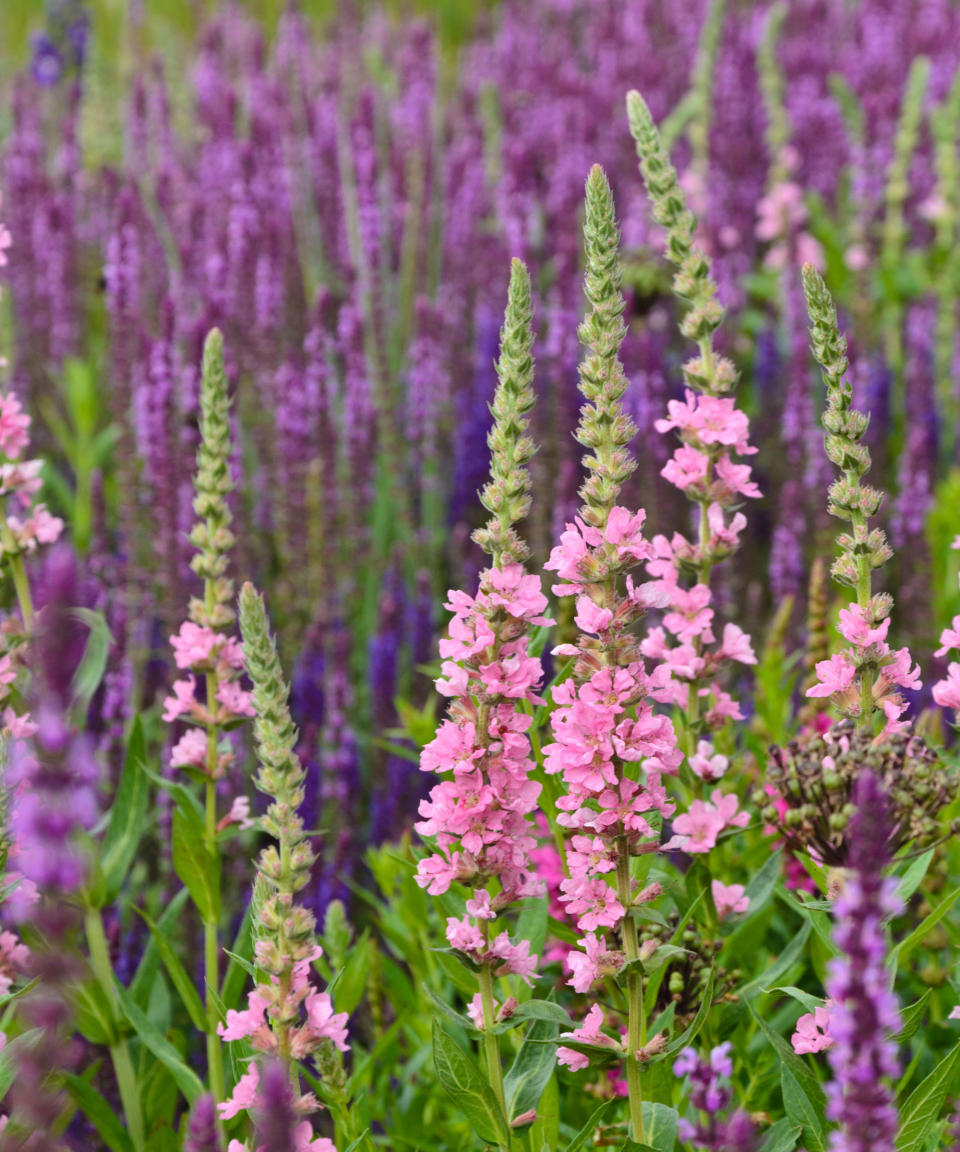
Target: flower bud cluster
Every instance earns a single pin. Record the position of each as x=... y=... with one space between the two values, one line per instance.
x=867 y=677
x=507 y=494
x=285 y=1015
x=815 y=776
x=712 y=432
x=202 y=647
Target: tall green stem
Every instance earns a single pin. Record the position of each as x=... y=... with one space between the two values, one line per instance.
x=635 y=1018
x=491 y=1047
x=211 y=942
x=119 y=1052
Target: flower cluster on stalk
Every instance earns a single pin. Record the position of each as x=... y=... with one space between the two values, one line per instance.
x=712 y=432
x=203 y=648
x=481 y=816
x=609 y=747
x=868 y=675
x=286 y=1019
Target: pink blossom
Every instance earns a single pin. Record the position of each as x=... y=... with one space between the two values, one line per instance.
x=834 y=675
x=736 y=645
x=14 y=956
x=463 y=935
x=588 y=1033
x=479 y=907
x=191 y=750
x=240 y=1024
x=709 y=420
x=699 y=827
x=625 y=531
x=234 y=698
x=14 y=422
x=813 y=1032
x=736 y=477
x=855 y=629
x=707 y=765
x=324 y=1022
x=182 y=702
x=593 y=963
x=687 y=466
x=729 y=898
x=194 y=645
x=519 y=593
x=949 y=638
x=516 y=958
x=947 y=692
x=591 y=617
x=244 y=1094
x=899 y=672
x=691 y=616
x=592 y=901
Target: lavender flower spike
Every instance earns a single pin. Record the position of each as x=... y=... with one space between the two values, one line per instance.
x=865 y=1017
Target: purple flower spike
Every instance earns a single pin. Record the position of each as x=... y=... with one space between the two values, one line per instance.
x=865 y=1014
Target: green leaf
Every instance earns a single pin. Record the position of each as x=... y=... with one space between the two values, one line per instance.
x=187 y=1080
x=789 y=1058
x=586 y=1132
x=762 y=884
x=189 y=996
x=659 y=959
x=150 y=964
x=912 y=878
x=912 y=1017
x=468 y=1088
x=781 y=1137
x=128 y=816
x=94 y=1016
x=197 y=868
x=532 y=923
x=811 y=1003
x=9 y=1062
x=349 y=984
x=531 y=1070
x=784 y=962
x=922 y=1109
x=689 y=1034
x=905 y=947
x=660 y=1126
x=93 y=663
x=543 y=1010
x=99 y=1112
x=450 y=1012
x=799 y=1109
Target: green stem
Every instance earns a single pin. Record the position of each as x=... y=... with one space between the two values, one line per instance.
x=636 y=1024
x=211 y=949
x=18 y=570
x=491 y=1047
x=119 y=1052
x=867 y=675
